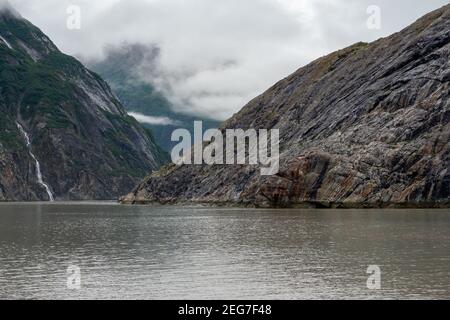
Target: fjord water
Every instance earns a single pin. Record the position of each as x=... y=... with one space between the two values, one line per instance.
x=148 y=252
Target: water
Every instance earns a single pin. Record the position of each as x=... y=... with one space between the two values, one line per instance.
x=6 y=42
x=40 y=180
x=193 y=253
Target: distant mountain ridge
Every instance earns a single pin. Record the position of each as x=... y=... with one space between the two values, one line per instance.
x=120 y=69
x=366 y=126
x=81 y=140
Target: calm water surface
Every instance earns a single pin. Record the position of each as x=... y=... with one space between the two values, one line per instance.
x=127 y=252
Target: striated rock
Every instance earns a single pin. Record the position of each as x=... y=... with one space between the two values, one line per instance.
x=366 y=126
x=86 y=144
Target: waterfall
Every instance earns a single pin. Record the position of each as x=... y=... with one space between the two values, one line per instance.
x=38 y=166
x=6 y=42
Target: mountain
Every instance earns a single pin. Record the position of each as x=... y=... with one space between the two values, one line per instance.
x=367 y=126
x=121 y=68
x=63 y=134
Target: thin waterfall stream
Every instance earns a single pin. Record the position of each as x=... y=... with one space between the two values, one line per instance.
x=38 y=165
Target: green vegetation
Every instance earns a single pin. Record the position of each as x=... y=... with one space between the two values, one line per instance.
x=84 y=150
x=10 y=136
x=119 y=143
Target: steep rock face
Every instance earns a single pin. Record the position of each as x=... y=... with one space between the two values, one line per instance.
x=87 y=147
x=365 y=126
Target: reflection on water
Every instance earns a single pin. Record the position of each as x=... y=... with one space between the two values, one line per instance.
x=127 y=252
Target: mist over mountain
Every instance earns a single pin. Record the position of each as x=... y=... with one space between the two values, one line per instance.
x=133 y=72
x=63 y=134
x=218 y=55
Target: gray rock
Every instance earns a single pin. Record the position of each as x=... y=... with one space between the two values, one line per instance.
x=366 y=126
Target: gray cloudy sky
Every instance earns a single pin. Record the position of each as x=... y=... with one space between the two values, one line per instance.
x=216 y=55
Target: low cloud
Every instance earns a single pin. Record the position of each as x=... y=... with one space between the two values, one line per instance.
x=215 y=56
x=5 y=4
x=160 y=121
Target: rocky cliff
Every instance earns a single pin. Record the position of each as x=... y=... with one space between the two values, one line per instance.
x=63 y=134
x=365 y=126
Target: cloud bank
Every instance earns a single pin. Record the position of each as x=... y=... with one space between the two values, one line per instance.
x=161 y=121
x=217 y=55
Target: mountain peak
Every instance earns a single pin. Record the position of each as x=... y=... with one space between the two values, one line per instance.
x=7 y=9
x=21 y=36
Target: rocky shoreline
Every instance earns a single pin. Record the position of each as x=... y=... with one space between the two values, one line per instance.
x=303 y=205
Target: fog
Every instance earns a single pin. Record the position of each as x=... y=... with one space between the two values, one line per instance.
x=215 y=56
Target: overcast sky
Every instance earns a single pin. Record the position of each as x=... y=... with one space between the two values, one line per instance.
x=216 y=55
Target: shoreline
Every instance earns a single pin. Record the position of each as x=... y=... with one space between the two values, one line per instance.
x=302 y=205
x=237 y=205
